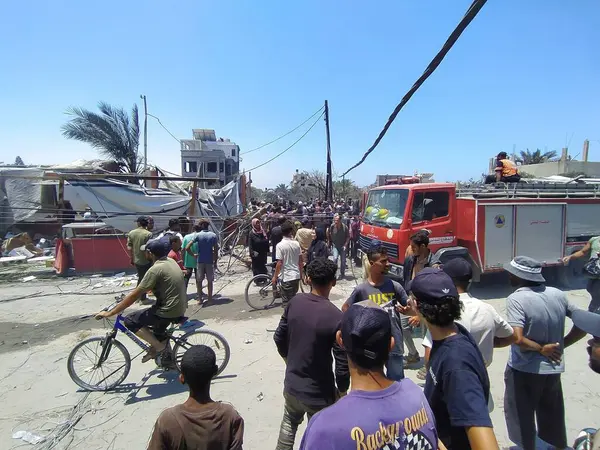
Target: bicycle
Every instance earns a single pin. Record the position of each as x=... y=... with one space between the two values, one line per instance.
x=97 y=351
x=265 y=295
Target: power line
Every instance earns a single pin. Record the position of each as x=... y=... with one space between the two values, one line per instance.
x=161 y=124
x=282 y=152
x=435 y=62
x=284 y=135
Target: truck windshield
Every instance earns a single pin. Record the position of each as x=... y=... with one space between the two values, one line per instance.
x=386 y=207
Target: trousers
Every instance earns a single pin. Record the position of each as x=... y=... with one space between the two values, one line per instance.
x=340 y=254
x=293 y=415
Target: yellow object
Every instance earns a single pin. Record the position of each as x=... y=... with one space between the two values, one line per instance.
x=369 y=209
x=383 y=213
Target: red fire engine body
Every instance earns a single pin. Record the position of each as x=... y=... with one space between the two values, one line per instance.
x=486 y=225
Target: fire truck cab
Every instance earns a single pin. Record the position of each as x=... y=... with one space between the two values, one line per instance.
x=487 y=225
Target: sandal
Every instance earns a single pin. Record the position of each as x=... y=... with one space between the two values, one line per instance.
x=150 y=354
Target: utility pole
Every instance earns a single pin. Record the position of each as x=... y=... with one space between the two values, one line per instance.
x=328 y=180
x=143 y=97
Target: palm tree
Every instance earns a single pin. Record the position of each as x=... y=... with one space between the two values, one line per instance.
x=537 y=157
x=281 y=190
x=114 y=133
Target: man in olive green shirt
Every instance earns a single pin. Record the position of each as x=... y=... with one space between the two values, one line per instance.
x=165 y=279
x=135 y=239
x=591 y=250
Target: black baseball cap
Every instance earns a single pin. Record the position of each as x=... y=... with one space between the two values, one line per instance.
x=458 y=268
x=366 y=332
x=432 y=285
x=158 y=247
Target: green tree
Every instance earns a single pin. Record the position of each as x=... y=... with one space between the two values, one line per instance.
x=113 y=132
x=537 y=157
x=19 y=161
x=282 y=191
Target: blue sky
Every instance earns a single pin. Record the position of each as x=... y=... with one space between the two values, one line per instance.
x=524 y=73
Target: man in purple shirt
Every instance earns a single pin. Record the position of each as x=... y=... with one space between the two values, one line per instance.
x=378 y=413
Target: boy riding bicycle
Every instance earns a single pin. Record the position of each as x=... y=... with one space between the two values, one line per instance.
x=166 y=280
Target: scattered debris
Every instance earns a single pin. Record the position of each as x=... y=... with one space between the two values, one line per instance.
x=29 y=278
x=96 y=275
x=260 y=397
x=97 y=285
x=25 y=342
x=36 y=325
x=248 y=341
x=28 y=437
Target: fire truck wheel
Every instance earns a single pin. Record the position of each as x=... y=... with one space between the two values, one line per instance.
x=571 y=276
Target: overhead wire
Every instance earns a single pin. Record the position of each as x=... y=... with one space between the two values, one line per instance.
x=288 y=148
x=284 y=135
x=165 y=128
x=435 y=62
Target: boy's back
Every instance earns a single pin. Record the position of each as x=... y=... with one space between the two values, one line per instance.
x=214 y=426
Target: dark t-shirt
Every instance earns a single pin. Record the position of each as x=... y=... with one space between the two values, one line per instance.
x=276 y=236
x=216 y=426
x=387 y=295
x=306 y=337
x=457 y=388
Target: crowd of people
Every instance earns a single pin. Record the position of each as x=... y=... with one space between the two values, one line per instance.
x=345 y=368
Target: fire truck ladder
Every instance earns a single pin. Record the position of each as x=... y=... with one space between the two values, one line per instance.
x=536 y=189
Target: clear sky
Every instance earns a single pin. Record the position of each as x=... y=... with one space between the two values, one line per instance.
x=526 y=72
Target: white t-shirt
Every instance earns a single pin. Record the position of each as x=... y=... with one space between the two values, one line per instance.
x=288 y=251
x=483 y=322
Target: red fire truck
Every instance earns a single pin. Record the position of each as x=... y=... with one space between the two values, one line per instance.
x=487 y=225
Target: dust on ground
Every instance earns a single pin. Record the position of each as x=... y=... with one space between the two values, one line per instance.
x=43 y=319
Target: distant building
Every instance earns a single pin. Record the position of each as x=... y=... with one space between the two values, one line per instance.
x=205 y=156
x=299 y=179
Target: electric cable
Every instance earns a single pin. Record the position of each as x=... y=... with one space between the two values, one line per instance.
x=283 y=135
x=435 y=62
x=283 y=151
x=165 y=128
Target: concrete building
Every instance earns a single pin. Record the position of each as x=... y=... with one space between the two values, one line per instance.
x=206 y=156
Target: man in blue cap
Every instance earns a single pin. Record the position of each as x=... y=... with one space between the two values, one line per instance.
x=378 y=412
x=457 y=384
x=165 y=279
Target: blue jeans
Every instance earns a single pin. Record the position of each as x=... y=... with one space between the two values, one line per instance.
x=395 y=367
x=338 y=253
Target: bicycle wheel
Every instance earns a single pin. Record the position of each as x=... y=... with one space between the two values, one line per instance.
x=99 y=365
x=210 y=338
x=259 y=292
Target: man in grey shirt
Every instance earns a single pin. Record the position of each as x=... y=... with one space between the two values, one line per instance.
x=532 y=377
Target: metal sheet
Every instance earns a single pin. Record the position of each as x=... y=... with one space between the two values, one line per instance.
x=539 y=232
x=499 y=235
x=583 y=219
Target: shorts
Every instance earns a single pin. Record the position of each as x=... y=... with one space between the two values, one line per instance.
x=146 y=318
x=203 y=270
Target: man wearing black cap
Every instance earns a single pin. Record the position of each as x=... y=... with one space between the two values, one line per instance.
x=532 y=377
x=378 y=412
x=389 y=295
x=165 y=279
x=135 y=239
x=457 y=384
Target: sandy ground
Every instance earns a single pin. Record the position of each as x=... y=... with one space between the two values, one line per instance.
x=37 y=334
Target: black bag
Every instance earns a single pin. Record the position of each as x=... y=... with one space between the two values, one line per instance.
x=591 y=269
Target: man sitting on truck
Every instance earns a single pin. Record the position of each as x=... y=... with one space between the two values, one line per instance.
x=506 y=170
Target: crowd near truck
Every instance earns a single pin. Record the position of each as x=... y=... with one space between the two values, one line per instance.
x=487 y=225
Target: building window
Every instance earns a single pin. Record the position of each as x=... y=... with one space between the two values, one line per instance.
x=191 y=166
x=221 y=167
x=211 y=167
x=430 y=205
x=233 y=152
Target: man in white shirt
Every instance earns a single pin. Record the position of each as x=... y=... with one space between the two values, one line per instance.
x=487 y=327
x=289 y=263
